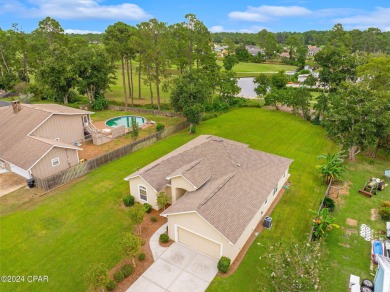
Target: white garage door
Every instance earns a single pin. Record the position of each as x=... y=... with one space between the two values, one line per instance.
x=199 y=243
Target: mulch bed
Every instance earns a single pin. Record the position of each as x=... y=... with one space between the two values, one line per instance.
x=148 y=229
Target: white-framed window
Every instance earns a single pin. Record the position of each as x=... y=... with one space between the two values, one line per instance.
x=275 y=190
x=142 y=193
x=55 y=161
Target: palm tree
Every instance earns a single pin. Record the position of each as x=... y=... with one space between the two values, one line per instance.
x=333 y=168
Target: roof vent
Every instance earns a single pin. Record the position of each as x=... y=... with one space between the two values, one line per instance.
x=16 y=106
x=238 y=164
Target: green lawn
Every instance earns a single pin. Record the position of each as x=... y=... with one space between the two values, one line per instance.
x=79 y=224
x=242 y=69
x=350 y=254
x=253 y=69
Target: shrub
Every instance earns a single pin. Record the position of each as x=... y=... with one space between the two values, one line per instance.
x=384 y=210
x=159 y=127
x=223 y=264
x=128 y=201
x=164 y=238
x=192 y=130
x=100 y=103
x=385 y=204
x=153 y=219
x=141 y=256
x=147 y=207
x=142 y=241
x=329 y=203
x=110 y=286
x=127 y=270
x=119 y=276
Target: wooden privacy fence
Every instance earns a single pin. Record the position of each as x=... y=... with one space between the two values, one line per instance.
x=79 y=170
x=145 y=111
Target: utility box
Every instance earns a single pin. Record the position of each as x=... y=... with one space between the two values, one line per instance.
x=30 y=183
x=267 y=222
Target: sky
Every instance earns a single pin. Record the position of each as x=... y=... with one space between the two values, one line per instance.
x=84 y=16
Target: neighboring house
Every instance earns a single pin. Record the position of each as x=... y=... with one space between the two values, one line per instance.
x=302 y=77
x=312 y=50
x=254 y=50
x=38 y=140
x=284 y=55
x=221 y=51
x=219 y=189
x=382 y=277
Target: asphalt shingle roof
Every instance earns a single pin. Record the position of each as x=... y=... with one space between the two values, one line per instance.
x=232 y=180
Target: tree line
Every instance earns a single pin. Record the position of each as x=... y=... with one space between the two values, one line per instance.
x=354 y=101
x=371 y=40
x=62 y=66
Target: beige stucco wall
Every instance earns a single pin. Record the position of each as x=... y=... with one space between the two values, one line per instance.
x=44 y=168
x=151 y=193
x=68 y=128
x=180 y=182
x=194 y=222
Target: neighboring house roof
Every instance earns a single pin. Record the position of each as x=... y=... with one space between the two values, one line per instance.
x=16 y=146
x=58 y=109
x=385 y=261
x=232 y=181
x=254 y=50
x=284 y=55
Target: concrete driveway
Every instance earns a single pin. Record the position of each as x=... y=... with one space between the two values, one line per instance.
x=10 y=182
x=179 y=268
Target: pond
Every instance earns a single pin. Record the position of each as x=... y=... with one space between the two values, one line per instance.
x=247 y=88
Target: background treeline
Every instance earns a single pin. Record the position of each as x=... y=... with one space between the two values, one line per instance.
x=371 y=40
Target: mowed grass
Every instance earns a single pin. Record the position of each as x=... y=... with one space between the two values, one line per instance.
x=242 y=69
x=350 y=253
x=80 y=223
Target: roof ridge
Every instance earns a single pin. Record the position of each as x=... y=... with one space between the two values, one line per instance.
x=216 y=190
x=193 y=164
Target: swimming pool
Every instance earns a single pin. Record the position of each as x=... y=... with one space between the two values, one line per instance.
x=125 y=121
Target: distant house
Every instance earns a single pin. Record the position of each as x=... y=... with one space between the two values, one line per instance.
x=254 y=50
x=221 y=51
x=284 y=55
x=302 y=77
x=312 y=50
x=219 y=190
x=39 y=140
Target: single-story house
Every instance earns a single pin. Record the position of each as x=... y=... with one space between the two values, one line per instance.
x=38 y=140
x=312 y=50
x=219 y=190
x=254 y=50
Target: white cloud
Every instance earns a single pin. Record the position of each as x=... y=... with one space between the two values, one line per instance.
x=216 y=28
x=81 y=31
x=253 y=29
x=78 y=9
x=265 y=13
x=378 y=18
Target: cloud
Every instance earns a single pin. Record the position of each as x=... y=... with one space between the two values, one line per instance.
x=81 y=31
x=216 y=28
x=251 y=29
x=265 y=13
x=77 y=9
x=378 y=18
